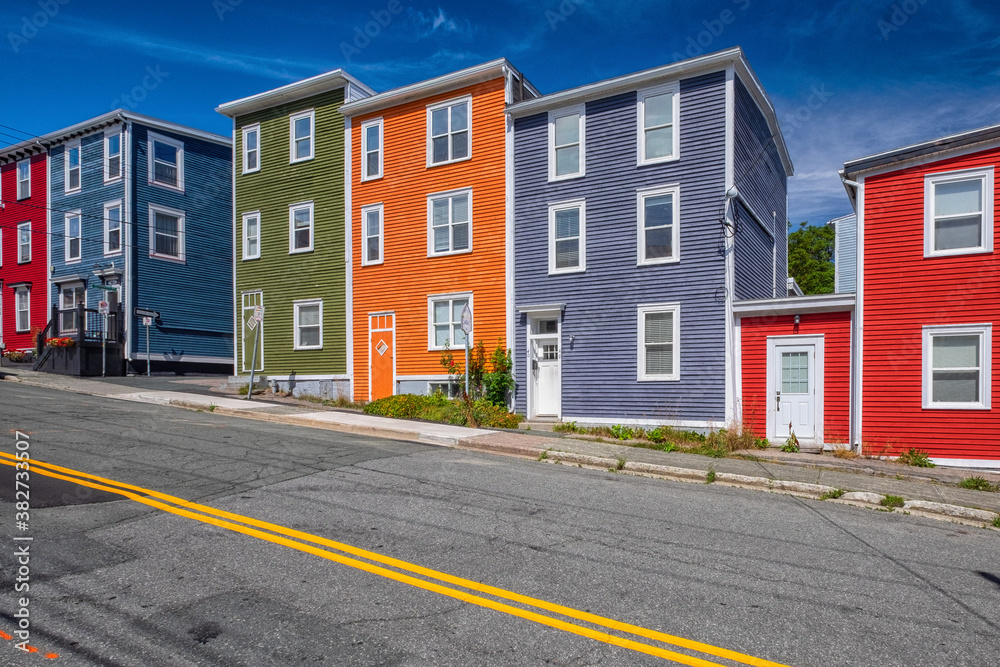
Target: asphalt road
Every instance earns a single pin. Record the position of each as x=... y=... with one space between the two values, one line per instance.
x=116 y=581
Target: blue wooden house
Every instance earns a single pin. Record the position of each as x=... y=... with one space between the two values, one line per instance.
x=141 y=217
x=643 y=207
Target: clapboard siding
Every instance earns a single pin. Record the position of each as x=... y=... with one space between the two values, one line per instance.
x=13 y=213
x=759 y=176
x=281 y=276
x=903 y=292
x=407 y=276
x=835 y=328
x=754 y=257
x=192 y=297
x=599 y=365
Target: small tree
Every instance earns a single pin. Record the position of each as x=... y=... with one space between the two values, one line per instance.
x=490 y=377
x=810 y=258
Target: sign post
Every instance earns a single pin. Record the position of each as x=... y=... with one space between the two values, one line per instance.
x=255 y=319
x=103 y=307
x=147 y=320
x=467 y=328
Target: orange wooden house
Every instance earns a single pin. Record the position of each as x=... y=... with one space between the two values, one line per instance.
x=429 y=232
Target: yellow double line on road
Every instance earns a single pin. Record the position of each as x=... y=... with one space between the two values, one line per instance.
x=305 y=541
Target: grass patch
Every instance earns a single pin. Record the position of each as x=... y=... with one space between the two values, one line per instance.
x=566 y=427
x=832 y=495
x=212 y=407
x=439 y=408
x=916 y=458
x=892 y=501
x=544 y=455
x=996 y=521
x=978 y=484
x=620 y=463
x=710 y=476
x=843 y=452
x=717 y=444
x=339 y=402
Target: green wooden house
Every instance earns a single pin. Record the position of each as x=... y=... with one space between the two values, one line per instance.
x=289 y=174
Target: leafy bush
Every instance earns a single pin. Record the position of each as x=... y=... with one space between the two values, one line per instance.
x=621 y=432
x=441 y=409
x=566 y=427
x=791 y=444
x=490 y=379
x=916 y=458
x=978 y=484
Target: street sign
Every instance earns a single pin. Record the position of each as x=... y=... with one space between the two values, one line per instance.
x=103 y=307
x=252 y=323
x=258 y=313
x=143 y=312
x=467 y=319
x=107 y=288
x=147 y=321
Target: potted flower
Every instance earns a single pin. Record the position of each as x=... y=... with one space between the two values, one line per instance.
x=62 y=341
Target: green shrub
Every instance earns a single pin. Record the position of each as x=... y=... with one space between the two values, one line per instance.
x=620 y=432
x=917 y=458
x=829 y=495
x=439 y=408
x=566 y=427
x=791 y=444
x=892 y=501
x=978 y=484
x=996 y=521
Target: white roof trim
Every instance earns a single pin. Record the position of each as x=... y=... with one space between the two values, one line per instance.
x=542 y=308
x=315 y=85
x=814 y=303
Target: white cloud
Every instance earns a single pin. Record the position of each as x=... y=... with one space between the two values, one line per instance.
x=440 y=23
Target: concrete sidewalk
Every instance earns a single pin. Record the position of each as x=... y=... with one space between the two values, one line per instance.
x=926 y=491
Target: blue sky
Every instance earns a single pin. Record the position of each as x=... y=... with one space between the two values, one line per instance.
x=847 y=78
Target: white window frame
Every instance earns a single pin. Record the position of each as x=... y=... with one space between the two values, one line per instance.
x=311 y=115
x=108 y=177
x=985 y=333
x=292 y=250
x=644 y=310
x=365 y=210
x=451 y=237
x=582 y=164
x=246 y=153
x=18 y=311
x=984 y=174
x=63 y=310
x=151 y=142
x=641 y=196
x=296 y=305
x=69 y=215
x=181 y=232
x=435 y=298
x=67 y=151
x=111 y=205
x=467 y=100
x=582 y=239
x=20 y=244
x=377 y=122
x=23 y=181
x=246 y=236
x=672 y=89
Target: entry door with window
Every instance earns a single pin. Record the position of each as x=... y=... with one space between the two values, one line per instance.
x=253 y=333
x=545 y=368
x=382 y=354
x=795 y=391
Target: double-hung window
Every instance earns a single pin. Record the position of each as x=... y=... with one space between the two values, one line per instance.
x=567 y=152
x=112 y=228
x=449 y=222
x=658 y=128
x=71 y=167
x=166 y=162
x=659 y=342
x=300 y=227
x=24 y=243
x=251 y=235
x=251 y=148
x=72 y=236
x=112 y=156
x=22 y=305
x=70 y=297
x=371 y=150
x=372 y=228
x=567 y=237
x=445 y=315
x=448 y=131
x=24 y=179
x=659 y=225
x=301 y=128
x=166 y=233
x=309 y=325
x=958 y=212
x=956 y=366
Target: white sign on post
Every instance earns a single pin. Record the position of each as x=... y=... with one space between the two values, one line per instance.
x=103 y=307
x=258 y=313
x=467 y=319
x=147 y=321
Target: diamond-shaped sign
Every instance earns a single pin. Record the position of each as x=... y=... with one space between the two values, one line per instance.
x=252 y=323
x=381 y=348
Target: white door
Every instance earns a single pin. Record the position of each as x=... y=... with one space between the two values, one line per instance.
x=545 y=373
x=795 y=390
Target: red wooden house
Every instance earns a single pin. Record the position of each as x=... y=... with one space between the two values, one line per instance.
x=928 y=299
x=23 y=244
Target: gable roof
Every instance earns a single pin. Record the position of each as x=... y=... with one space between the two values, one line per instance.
x=898 y=156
